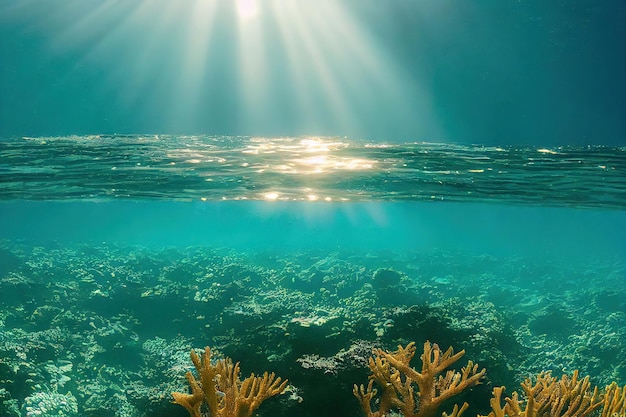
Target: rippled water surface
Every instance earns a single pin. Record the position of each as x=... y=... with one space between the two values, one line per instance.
x=294 y=169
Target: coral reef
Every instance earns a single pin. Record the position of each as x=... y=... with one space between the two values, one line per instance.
x=222 y=390
x=89 y=320
x=392 y=372
x=50 y=404
x=565 y=397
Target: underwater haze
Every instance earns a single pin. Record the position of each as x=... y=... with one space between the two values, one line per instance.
x=302 y=186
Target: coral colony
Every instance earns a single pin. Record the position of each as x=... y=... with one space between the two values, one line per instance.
x=223 y=392
x=410 y=392
x=78 y=334
x=392 y=372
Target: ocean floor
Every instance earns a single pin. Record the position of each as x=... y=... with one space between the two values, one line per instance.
x=106 y=330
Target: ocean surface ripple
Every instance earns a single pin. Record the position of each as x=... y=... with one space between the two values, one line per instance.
x=307 y=169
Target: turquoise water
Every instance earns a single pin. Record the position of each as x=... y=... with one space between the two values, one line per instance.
x=295 y=183
x=564 y=234
x=298 y=255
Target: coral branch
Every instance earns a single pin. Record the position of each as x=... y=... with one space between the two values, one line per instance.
x=393 y=373
x=614 y=401
x=565 y=397
x=456 y=412
x=193 y=401
x=222 y=390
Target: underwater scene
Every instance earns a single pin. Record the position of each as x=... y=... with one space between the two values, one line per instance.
x=298 y=208
x=300 y=256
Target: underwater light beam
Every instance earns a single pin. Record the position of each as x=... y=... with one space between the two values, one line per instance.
x=247 y=9
x=318 y=66
x=292 y=67
x=193 y=67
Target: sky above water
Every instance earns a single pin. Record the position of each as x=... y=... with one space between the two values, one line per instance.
x=488 y=71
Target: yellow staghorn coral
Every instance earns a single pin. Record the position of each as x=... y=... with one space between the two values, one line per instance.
x=222 y=390
x=614 y=404
x=565 y=397
x=392 y=372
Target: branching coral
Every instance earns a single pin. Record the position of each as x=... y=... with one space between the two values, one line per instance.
x=614 y=404
x=222 y=390
x=567 y=397
x=392 y=372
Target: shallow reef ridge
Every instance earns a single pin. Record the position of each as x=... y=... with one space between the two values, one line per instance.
x=107 y=330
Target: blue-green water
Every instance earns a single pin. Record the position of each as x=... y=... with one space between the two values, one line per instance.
x=512 y=72
x=298 y=255
x=294 y=183
x=327 y=193
x=566 y=234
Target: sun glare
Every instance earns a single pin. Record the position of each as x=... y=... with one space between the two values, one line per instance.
x=247 y=9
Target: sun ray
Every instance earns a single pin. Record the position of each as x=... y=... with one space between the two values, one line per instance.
x=294 y=67
x=91 y=26
x=97 y=38
x=193 y=66
x=247 y=9
x=301 y=27
x=252 y=64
